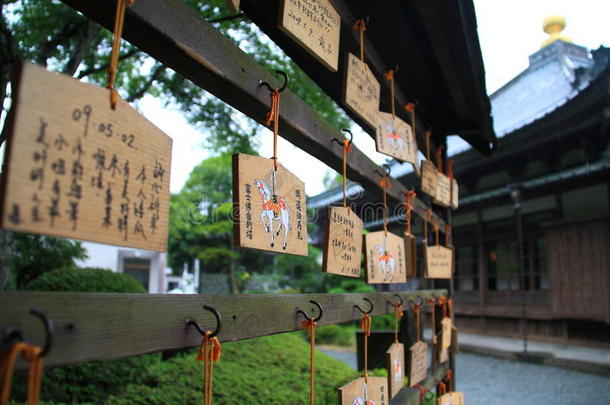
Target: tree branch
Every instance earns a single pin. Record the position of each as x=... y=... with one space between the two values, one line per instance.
x=89 y=31
x=154 y=76
x=70 y=29
x=132 y=52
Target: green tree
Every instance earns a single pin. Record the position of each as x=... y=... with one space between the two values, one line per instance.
x=33 y=255
x=54 y=35
x=202 y=224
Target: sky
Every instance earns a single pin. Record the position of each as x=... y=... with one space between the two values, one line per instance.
x=509 y=31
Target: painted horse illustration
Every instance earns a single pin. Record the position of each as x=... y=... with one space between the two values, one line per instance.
x=364 y=399
x=397 y=370
x=385 y=260
x=274 y=208
x=394 y=138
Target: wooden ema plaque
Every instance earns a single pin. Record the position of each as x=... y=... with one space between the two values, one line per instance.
x=233 y=5
x=361 y=90
x=395 y=138
x=446 y=329
x=315 y=25
x=439 y=261
x=269 y=206
x=455 y=194
x=357 y=392
x=411 y=253
x=429 y=178
x=451 y=398
x=385 y=258
x=78 y=169
x=455 y=345
x=395 y=357
x=443 y=190
x=418 y=363
x=343 y=242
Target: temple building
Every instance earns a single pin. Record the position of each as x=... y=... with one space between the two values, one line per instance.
x=549 y=173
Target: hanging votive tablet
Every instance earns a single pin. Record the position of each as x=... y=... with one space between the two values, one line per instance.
x=269 y=206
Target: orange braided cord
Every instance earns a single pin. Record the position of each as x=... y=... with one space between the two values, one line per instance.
x=274 y=116
x=397 y=315
x=32 y=354
x=119 y=18
x=310 y=325
x=347 y=147
x=409 y=196
x=209 y=352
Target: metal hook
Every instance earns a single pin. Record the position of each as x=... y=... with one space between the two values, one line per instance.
x=363 y=311
x=418 y=301
x=48 y=330
x=192 y=322
x=351 y=137
x=280 y=72
x=399 y=304
x=386 y=168
x=316 y=319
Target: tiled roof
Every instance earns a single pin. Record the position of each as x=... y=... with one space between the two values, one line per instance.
x=549 y=81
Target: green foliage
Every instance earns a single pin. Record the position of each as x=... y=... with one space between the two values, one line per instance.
x=86 y=280
x=269 y=370
x=201 y=218
x=33 y=255
x=94 y=381
x=383 y=322
x=338 y=335
x=351 y=285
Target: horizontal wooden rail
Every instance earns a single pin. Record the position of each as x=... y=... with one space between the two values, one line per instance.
x=410 y=395
x=98 y=326
x=173 y=33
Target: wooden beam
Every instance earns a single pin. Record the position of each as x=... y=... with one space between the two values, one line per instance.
x=264 y=14
x=96 y=326
x=173 y=33
x=410 y=395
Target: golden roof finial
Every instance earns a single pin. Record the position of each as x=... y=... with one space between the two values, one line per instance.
x=553 y=26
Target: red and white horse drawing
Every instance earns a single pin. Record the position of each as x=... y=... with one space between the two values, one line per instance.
x=394 y=138
x=364 y=399
x=385 y=260
x=274 y=208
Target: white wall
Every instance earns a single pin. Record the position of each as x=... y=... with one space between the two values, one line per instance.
x=104 y=256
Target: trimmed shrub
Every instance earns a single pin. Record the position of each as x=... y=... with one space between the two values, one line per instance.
x=339 y=335
x=272 y=370
x=87 y=279
x=92 y=382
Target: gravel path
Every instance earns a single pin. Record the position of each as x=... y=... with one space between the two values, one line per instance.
x=488 y=380
x=492 y=381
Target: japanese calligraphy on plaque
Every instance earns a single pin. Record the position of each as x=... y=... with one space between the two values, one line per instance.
x=361 y=90
x=395 y=138
x=451 y=398
x=395 y=357
x=429 y=178
x=343 y=243
x=439 y=261
x=78 y=169
x=315 y=25
x=418 y=362
x=269 y=206
x=443 y=190
x=385 y=258
x=446 y=329
x=359 y=392
x=455 y=194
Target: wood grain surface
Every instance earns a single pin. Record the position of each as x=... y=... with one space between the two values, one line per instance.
x=78 y=169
